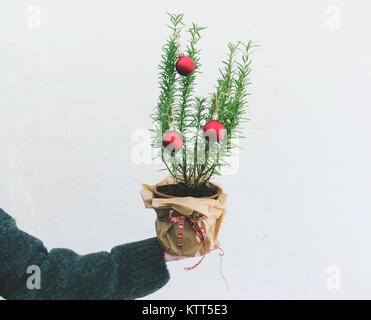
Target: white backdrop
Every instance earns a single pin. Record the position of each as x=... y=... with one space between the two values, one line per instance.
x=78 y=78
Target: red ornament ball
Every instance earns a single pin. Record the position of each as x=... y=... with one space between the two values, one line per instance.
x=185 y=66
x=214 y=131
x=172 y=141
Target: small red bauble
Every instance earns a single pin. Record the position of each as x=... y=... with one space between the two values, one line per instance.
x=185 y=66
x=214 y=131
x=172 y=141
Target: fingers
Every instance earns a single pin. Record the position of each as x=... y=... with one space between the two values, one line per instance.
x=216 y=246
x=170 y=257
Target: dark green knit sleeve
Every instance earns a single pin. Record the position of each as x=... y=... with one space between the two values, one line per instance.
x=129 y=271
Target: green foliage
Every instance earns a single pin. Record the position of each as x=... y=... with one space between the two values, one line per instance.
x=162 y=114
x=179 y=109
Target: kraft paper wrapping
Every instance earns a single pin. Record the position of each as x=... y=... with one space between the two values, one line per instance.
x=167 y=232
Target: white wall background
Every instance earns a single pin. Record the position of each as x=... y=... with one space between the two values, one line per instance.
x=73 y=91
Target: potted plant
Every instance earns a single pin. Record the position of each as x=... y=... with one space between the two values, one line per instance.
x=194 y=137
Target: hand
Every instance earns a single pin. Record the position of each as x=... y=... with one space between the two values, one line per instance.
x=169 y=257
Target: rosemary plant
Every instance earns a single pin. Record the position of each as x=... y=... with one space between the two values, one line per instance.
x=179 y=109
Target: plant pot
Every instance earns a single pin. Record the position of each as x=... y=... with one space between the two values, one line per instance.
x=178 y=217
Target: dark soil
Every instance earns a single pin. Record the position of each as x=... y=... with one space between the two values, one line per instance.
x=182 y=190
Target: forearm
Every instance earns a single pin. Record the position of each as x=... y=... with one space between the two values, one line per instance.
x=129 y=271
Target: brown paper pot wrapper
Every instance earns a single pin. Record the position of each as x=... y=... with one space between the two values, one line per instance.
x=167 y=232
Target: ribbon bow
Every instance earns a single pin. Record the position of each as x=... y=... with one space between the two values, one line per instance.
x=200 y=232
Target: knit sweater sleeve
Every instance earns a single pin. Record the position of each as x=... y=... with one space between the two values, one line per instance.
x=129 y=271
